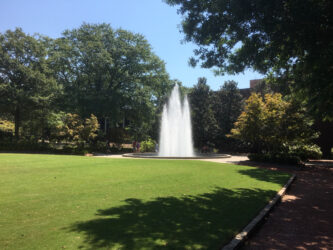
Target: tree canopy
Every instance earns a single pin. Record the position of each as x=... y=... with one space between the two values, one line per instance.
x=291 y=40
x=26 y=80
x=94 y=69
x=111 y=73
x=204 y=124
x=272 y=124
x=227 y=106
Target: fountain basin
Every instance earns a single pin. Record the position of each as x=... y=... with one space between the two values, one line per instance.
x=156 y=156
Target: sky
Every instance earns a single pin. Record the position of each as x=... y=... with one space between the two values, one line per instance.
x=154 y=19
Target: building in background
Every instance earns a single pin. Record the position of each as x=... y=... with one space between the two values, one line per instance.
x=246 y=92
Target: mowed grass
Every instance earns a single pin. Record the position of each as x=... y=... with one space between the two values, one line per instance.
x=71 y=202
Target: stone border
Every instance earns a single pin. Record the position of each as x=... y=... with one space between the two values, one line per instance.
x=155 y=156
x=239 y=239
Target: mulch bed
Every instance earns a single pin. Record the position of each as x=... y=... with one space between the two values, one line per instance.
x=304 y=218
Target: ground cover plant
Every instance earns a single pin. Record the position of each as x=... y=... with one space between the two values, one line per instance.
x=54 y=202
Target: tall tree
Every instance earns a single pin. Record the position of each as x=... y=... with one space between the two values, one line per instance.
x=26 y=82
x=111 y=73
x=227 y=106
x=289 y=39
x=204 y=125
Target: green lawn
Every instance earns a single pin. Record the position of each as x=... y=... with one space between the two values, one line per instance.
x=71 y=202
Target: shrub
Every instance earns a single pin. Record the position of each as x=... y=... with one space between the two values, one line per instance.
x=6 y=126
x=75 y=129
x=100 y=146
x=270 y=123
x=24 y=146
x=38 y=147
x=147 y=146
x=291 y=154
x=6 y=129
x=306 y=152
x=275 y=157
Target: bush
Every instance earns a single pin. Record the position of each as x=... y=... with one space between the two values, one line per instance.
x=275 y=157
x=6 y=126
x=38 y=147
x=6 y=130
x=24 y=146
x=306 y=152
x=102 y=147
x=74 y=129
x=147 y=146
x=119 y=149
x=292 y=154
x=269 y=124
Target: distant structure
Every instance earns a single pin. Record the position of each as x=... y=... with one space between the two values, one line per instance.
x=255 y=82
x=246 y=92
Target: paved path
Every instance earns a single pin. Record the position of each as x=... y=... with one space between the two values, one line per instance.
x=232 y=159
x=304 y=218
x=109 y=156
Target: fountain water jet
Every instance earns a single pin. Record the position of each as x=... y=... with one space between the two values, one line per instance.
x=176 y=133
x=176 y=130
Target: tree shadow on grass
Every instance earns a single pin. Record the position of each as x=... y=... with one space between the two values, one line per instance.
x=204 y=221
x=267 y=175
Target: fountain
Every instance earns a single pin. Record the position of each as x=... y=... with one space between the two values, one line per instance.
x=176 y=132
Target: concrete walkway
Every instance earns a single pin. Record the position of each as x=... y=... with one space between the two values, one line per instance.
x=232 y=159
x=109 y=156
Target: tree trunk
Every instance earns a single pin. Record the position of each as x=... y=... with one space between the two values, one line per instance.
x=325 y=141
x=17 y=123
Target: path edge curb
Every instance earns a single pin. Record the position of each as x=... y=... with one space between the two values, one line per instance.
x=240 y=238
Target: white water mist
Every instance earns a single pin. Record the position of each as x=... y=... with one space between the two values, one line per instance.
x=176 y=129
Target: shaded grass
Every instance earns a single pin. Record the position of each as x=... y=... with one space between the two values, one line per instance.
x=50 y=202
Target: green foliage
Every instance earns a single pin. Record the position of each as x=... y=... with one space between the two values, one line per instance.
x=291 y=155
x=147 y=146
x=204 y=125
x=71 y=128
x=94 y=69
x=90 y=128
x=6 y=126
x=325 y=138
x=26 y=82
x=6 y=129
x=284 y=158
x=111 y=73
x=250 y=122
x=32 y=146
x=24 y=146
x=274 y=126
x=74 y=129
x=305 y=152
x=41 y=125
x=227 y=106
x=290 y=39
